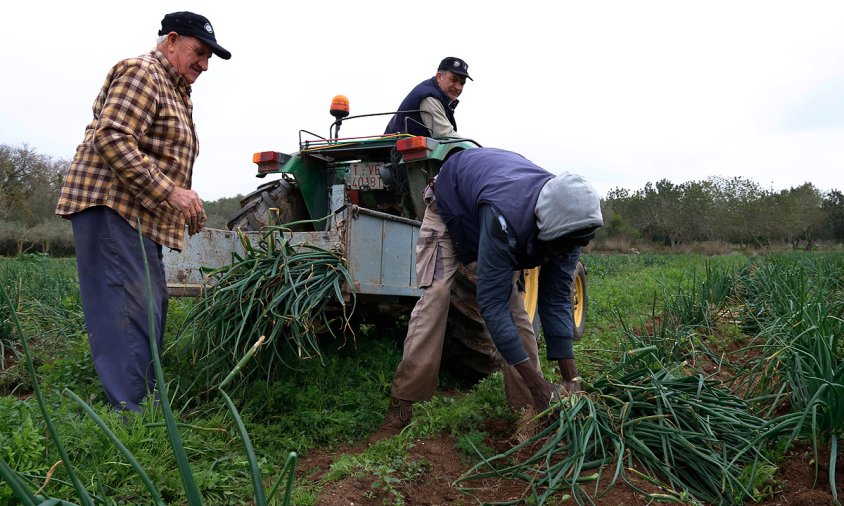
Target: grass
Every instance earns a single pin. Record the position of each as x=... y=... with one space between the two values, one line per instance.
x=679 y=304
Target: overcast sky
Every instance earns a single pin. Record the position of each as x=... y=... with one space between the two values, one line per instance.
x=622 y=92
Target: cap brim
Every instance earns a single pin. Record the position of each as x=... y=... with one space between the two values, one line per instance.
x=217 y=49
x=467 y=76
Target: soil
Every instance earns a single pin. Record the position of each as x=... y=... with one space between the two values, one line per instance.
x=798 y=482
x=793 y=485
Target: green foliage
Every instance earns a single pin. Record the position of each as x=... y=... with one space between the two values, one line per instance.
x=689 y=435
x=670 y=306
x=29 y=190
x=696 y=440
x=330 y=403
x=397 y=471
x=21 y=440
x=276 y=290
x=220 y=211
x=90 y=449
x=796 y=303
x=473 y=444
x=387 y=463
x=633 y=292
x=459 y=415
x=736 y=210
x=47 y=299
x=73 y=368
x=702 y=303
x=210 y=440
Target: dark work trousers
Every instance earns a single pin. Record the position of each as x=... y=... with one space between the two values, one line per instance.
x=113 y=285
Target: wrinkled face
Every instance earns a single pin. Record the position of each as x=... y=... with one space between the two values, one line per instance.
x=188 y=55
x=450 y=83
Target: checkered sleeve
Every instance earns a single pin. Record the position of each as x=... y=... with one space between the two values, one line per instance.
x=128 y=111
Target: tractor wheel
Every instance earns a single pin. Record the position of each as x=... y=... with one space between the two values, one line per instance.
x=532 y=298
x=578 y=299
x=281 y=194
x=468 y=350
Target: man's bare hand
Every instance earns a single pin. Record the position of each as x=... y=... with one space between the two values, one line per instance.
x=197 y=223
x=190 y=205
x=540 y=390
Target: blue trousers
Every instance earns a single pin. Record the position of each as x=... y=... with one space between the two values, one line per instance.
x=113 y=286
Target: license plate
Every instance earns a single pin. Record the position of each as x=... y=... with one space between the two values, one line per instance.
x=365 y=176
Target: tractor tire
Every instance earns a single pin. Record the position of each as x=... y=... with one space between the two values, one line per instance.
x=255 y=212
x=579 y=300
x=468 y=350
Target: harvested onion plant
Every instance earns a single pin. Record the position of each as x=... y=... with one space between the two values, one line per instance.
x=684 y=437
x=288 y=293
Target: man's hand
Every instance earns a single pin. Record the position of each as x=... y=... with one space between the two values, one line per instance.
x=197 y=224
x=190 y=205
x=540 y=390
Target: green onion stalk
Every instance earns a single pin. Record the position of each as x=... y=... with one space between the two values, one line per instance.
x=291 y=294
x=669 y=435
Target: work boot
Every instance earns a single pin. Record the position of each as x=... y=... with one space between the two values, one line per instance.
x=397 y=418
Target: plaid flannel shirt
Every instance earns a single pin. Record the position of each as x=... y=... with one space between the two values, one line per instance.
x=139 y=146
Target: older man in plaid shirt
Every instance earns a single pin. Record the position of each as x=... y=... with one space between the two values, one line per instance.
x=133 y=171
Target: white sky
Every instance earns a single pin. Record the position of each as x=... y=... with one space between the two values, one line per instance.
x=622 y=92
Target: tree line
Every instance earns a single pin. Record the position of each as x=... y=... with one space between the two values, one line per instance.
x=735 y=211
x=30 y=183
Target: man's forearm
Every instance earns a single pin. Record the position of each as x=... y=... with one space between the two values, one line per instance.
x=495 y=285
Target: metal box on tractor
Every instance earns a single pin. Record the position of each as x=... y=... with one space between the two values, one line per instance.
x=364 y=195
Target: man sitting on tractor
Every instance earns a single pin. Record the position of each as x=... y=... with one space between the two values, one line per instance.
x=499 y=209
x=428 y=109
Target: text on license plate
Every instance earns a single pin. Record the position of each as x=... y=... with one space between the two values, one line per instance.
x=365 y=176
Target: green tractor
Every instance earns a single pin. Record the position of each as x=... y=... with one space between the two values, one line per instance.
x=363 y=197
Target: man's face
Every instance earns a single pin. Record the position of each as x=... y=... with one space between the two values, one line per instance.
x=189 y=56
x=450 y=83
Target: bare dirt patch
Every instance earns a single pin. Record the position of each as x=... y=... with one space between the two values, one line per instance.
x=794 y=483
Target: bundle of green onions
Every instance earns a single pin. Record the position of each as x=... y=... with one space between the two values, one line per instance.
x=685 y=436
x=287 y=293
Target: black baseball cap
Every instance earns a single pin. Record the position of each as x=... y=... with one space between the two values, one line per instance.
x=456 y=65
x=193 y=25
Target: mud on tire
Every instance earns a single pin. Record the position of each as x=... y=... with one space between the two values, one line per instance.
x=281 y=194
